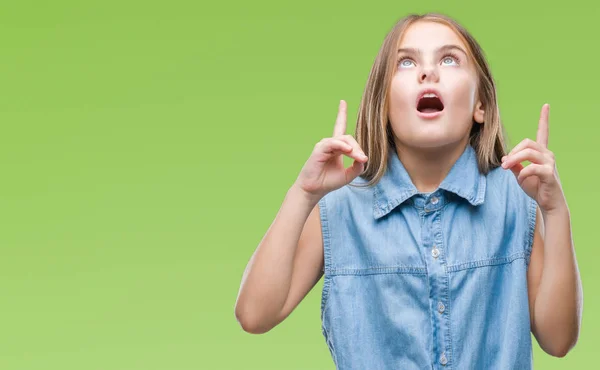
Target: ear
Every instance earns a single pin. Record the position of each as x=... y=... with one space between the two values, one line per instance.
x=478 y=112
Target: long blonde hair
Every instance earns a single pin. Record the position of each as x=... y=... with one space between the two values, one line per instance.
x=373 y=130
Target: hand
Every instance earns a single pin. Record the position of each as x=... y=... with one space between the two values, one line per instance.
x=540 y=178
x=324 y=170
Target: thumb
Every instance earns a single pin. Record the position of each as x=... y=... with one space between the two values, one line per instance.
x=516 y=169
x=353 y=171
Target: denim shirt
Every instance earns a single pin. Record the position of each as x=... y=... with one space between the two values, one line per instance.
x=428 y=280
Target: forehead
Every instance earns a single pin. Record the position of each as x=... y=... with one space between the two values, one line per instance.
x=428 y=36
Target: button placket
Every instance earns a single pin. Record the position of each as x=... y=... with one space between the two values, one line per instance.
x=431 y=237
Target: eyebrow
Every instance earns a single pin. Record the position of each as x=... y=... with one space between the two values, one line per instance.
x=441 y=48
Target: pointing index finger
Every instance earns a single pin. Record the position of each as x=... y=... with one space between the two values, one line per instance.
x=542 y=133
x=340 y=122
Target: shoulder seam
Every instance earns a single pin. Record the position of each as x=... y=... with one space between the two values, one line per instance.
x=326 y=255
x=532 y=215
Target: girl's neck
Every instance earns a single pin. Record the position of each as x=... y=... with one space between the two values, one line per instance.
x=428 y=167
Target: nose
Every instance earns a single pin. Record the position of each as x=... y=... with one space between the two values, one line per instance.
x=428 y=74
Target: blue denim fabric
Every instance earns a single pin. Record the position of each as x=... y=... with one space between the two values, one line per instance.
x=428 y=280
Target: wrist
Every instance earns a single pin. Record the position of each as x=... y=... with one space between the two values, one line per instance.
x=311 y=199
x=561 y=209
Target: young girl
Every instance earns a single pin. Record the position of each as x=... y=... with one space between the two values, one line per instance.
x=442 y=251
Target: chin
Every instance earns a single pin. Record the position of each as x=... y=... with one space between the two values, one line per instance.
x=429 y=140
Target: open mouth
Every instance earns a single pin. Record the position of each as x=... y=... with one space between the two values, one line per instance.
x=430 y=103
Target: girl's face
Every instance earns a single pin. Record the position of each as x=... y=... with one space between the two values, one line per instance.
x=432 y=56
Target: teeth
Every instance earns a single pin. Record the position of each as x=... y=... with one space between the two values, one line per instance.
x=429 y=95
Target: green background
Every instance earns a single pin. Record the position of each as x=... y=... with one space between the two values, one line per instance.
x=147 y=146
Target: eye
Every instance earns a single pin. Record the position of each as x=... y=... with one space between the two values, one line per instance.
x=403 y=62
x=449 y=58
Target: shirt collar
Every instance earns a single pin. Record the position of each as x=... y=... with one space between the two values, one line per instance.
x=395 y=186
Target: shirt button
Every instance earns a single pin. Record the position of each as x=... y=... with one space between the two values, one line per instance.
x=434 y=200
x=435 y=252
x=443 y=359
x=441 y=307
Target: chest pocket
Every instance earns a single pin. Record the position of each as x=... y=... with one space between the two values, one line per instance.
x=493 y=233
x=387 y=245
